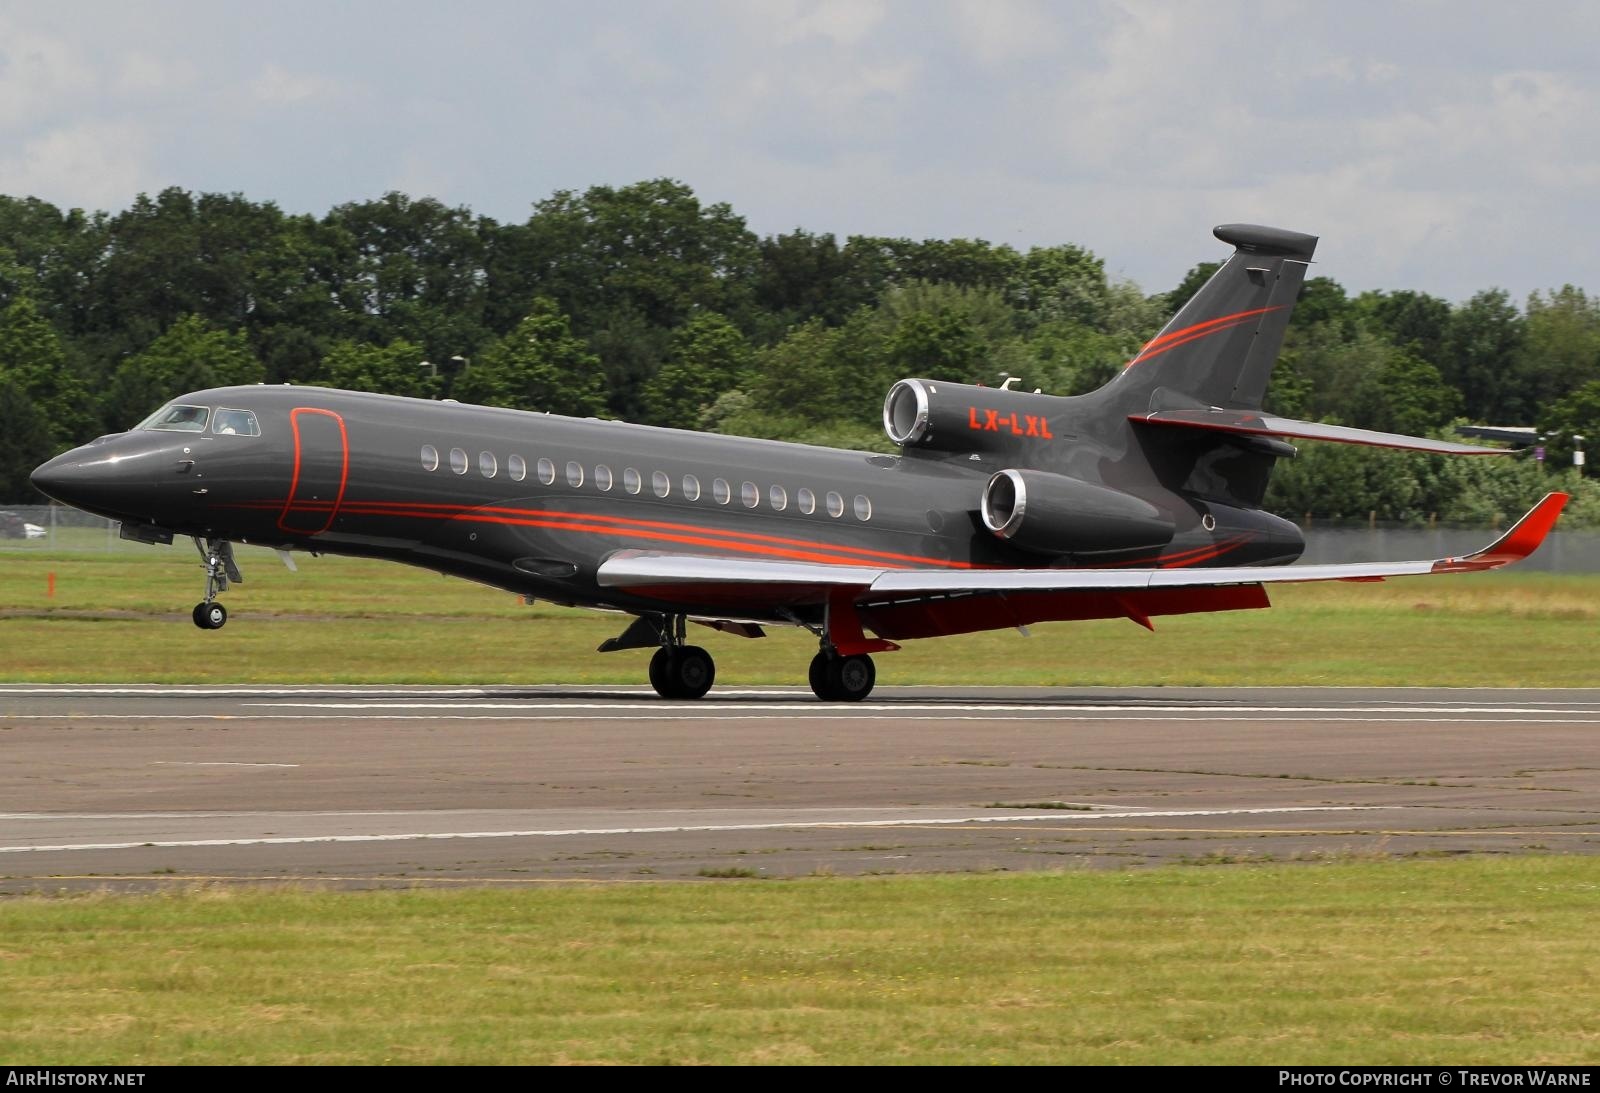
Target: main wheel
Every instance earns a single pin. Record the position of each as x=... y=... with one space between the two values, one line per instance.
x=210 y=616
x=818 y=677
x=658 y=673
x=686 y=672
x=850 y=679
x=842 y=679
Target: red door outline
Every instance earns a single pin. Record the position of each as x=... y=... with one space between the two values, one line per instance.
x=292 y=506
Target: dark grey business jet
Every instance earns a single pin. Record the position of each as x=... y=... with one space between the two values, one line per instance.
x=1003 y=508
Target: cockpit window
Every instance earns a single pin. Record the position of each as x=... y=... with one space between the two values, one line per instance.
x=234 y=423
x=178 y=419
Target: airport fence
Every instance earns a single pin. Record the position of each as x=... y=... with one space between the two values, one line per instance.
x=58 y=528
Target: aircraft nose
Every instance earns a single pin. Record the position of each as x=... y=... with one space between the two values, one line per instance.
x=97 y=478
x=56 y=477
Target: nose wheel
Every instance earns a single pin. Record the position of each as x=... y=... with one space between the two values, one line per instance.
x=842 y=679
x=210 y=616
x=217 y=557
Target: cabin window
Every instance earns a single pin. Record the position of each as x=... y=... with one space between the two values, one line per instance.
x=516 y=467
x=631 y=480
x=805 y=500
x=863 y=508
x=835 y=505
x=779 y=498
x=602 y=477
x=178 y=419
x=487 y=464
x=661 y=483
x=547 y=471
x=750 y=495
x=458 y=461
x=721 y=492
x=574 y=475
x=430 y=457
x=691 y=487
x=234 y=423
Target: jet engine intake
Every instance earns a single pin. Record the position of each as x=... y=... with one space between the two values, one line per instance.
x=1053 y=514
x=957 y=417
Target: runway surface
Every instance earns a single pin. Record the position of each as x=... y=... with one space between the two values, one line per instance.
x=146 y=786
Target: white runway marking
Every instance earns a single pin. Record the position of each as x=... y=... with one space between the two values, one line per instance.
x=1052 y=816
x=910 y=707
x=700 y=716
x=182 y=763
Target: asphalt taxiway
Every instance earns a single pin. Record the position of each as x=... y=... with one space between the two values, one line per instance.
x=140 y=786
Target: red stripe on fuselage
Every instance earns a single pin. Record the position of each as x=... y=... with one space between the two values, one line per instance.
x=744 y=542
x=657 y=530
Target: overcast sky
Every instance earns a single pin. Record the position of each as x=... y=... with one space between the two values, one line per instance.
x=1447 y=147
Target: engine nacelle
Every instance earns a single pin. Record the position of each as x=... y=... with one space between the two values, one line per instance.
x=1056 y=515
x=958 y=417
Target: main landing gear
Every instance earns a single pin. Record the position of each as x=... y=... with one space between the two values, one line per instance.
x=842 y=679
x=677 y=670
x=217 y=556
x=683 y=671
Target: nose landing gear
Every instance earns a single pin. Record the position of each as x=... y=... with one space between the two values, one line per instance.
x=217 y=557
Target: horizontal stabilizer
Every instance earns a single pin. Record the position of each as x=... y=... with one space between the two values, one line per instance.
x=1255 y=423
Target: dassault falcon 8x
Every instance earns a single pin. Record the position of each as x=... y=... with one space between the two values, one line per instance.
x=1003 y=508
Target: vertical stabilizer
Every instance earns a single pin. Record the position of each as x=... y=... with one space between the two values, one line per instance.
x=1219 y=349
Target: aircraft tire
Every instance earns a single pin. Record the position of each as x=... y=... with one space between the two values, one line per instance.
x=684 y=673
x=818 y=677
x=658 y=673
x=850 y=679
x=693 y=672
x=210 y=616
x=842 y=679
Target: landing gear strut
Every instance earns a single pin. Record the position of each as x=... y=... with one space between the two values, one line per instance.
x=842 y=679
x=217 y=556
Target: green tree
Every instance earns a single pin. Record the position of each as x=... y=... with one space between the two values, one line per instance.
x=25 y=442
x=1561 y=351
x=33 y=360
x=1060 y=284
x=190 y=356
x=398 y=368
x=1483 y=349
x=708 y=357
x=1578 y=414
x=540 y=365
x=1413 y=321
x=414 y=270
x=650 y=248
x=1404 y=394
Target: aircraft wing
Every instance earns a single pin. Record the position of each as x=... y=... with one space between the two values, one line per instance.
x=1255 y=423
x=660 y=572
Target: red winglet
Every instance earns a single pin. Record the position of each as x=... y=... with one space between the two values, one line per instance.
x=1523 y=539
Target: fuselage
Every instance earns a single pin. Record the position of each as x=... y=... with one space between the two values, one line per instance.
x=533 y=503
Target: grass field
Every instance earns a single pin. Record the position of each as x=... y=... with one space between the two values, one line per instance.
x=1467 y=961
x=125 y=618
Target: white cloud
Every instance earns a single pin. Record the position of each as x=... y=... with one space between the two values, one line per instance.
x=279 y=86
x=41 y=74
x=93 y=165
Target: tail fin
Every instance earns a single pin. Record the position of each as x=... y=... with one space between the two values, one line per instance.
x=1219 y=349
